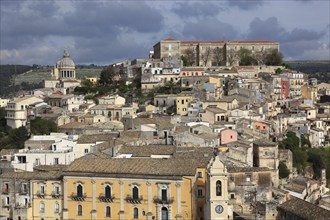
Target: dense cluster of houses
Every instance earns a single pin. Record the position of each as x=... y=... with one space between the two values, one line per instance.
x=208 y=152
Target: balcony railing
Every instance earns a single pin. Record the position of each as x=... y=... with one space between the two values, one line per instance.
x=41 y=194
x=132 y=200
x=23 y=206
x=55 y=195
x=167 y=201
x=104 y=198
x=76 y=197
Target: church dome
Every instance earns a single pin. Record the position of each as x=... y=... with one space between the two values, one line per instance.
x=66 y=61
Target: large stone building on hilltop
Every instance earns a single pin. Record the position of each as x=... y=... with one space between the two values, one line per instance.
x=211 y=53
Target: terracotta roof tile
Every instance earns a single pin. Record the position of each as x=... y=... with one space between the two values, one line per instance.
x=137 y=166
x=304 y=209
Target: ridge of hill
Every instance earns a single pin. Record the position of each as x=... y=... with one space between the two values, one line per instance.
x=7 y=72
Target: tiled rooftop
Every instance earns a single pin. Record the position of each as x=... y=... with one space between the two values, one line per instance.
x=304 y=209
x=147 y=151
x=137 y=166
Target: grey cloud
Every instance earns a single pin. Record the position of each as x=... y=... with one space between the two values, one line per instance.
x=197 y=9
x=135 y=15
x=209 y=29
x=271 y=29
x=293 y=43
x=100 y=53
x=267 y=29
x=246 y=4
x=101 y=18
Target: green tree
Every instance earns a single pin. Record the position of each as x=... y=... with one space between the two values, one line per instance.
x=319 y=159
x=284 y=172
x=245 y=58
x=184 y=61
x=278 y=71
x=106 y=76
x=41 y=126
x=305 y=141
x=17 y=137
x=274 y=58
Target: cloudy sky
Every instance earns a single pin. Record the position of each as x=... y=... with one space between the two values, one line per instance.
x=106 y=31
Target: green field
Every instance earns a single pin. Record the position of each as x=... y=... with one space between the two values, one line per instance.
x=35 y=76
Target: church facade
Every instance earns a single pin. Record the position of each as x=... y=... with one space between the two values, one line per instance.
x=63 y=74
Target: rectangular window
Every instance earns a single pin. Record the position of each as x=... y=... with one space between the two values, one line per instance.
x=6 y=188
x=57 y=208
x=199 y=174
x=56 y=190
x=24 y=188
x=55 y=161
x=200 y=192
x=42 y=189
x=42 y=207
x=164 y=194
x=86 y=151
x=248 y=178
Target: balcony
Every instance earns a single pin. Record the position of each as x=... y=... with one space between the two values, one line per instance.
x=55 y=195
x=23 y=206
x=166 y=201
x=132 y=200
x=5 y=205
x=76 y=197
x=41 y=194
x=104 y=198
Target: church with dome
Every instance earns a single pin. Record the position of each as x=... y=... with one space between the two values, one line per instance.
x=63 y=75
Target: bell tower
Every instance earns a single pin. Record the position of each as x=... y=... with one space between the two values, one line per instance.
x=217 y=192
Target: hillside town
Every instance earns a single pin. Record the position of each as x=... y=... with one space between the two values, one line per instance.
x=202 y=130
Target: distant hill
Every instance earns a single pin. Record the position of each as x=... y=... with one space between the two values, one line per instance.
x=14 y=78
x=6 y=73
x=312 y=66
x=315 y=69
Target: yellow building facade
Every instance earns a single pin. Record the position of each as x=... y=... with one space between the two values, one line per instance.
x=46 y=200
x=102 y=195
x=182 y=103
x=117 y=188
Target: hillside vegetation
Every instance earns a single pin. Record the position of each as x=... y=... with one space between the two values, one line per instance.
x=7 y=73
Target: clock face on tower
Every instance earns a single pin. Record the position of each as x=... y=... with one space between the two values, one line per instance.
x=219 y=209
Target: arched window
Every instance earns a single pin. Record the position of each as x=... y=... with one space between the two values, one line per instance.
x=218 y=188
x=107 y=191
x=79 y=211
x=164 y=213
x=42 y=207
x=135 y=192
x=57 y=207
x=79 y=190
x=135 y=213
x=107 y=211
